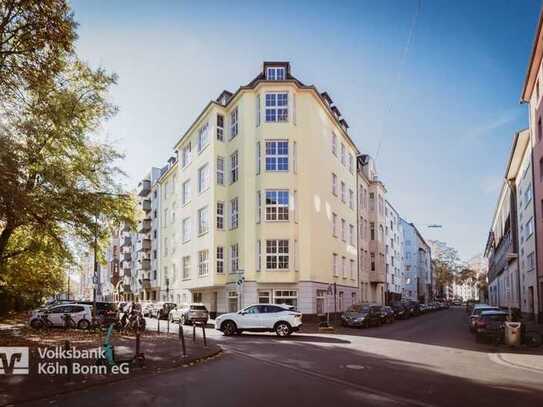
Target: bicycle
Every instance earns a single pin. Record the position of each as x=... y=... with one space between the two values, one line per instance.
x=42 y=322
x=69 y=322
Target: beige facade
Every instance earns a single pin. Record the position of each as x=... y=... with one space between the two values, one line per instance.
x=261 y=204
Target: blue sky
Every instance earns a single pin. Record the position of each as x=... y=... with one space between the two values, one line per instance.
x=445 y=117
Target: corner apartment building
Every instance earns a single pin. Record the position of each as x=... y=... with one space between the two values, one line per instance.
x=531 y=94
x=394 y=253
x=371 y=237
x=261 y=204
x=417 y=283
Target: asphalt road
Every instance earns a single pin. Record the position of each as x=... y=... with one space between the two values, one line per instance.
x=431 y=360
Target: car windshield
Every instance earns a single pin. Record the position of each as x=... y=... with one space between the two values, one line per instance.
x=198 y=308
x=359 y=308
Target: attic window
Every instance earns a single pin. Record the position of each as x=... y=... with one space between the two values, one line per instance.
x=275 y=74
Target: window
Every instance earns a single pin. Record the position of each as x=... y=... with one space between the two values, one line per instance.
x=277 y=205
x=277 y=254
x=234 y=167
x=351 y=235
x=220 y=259
x=234 y=213
x=203 y=224
x=294 y=156
x=165 y=246
x=372 y=257
x=539 y=129
x=343 y=230
x=257 y=110
x=232 y=301
x=186 y=192
x=334 y=144
x=234 y=123
x=220 y=127
x=343 y=154
x=234 y=258
x=258 y=206
x=343 y=192
x=529 y=228
x=185 y=230
x=203 y=178
x=528 y=195
x=186 y=267
x=276 y=155
x=220 y=215
x=334 y=184
x=351 y=270
x=343 y=267
x=351 y=199
x=334 y=225
x=220 y=170
x=257 y=157
x=286 y=297
x=275 y=74
x=372 y=201
x=186 y=155
x=276 y=107
x=351 y=164
x=372 y=231
x=264 y=297
x=335 y=265
x=203 y=256
x=531 y=261
x=203 y=137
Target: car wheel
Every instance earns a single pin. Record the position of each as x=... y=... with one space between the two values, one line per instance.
x=282 y=329
x=83 y=324
x=36 y=324
x=229 y=328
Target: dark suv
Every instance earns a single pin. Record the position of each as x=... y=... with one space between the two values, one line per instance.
x=490 y=326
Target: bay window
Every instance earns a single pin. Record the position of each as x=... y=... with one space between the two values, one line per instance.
x=276 y=155
x=276 y=107
x=277 y=254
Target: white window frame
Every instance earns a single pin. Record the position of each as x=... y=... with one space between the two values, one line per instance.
x=186 y=192
x=203 y=178
x=234 y=213
x=334 y=225
x=234 y=167
x=219 y=224
x=258 y=158
x=351 y=199
x=274 y=157
x=203 y=220
x=234 y=258
x=343 y=192
x=276 y=259
x=220 y=170
x=220 y=129
x=334 y=144
x=186 y=267
x=343 y=230
x=234 y=125
x=276 y=107
x=203 y=137
x=186 y=231
x=258 y=206
x=276 y=73
x=335 y=270
x=334 y=184
x=276 y=211
x=203 y=263
x=258 y=255
x=220 y=259
x=186 y=155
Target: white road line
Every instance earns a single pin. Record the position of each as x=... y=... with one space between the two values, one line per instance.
x=497 y=358
x=373 y=395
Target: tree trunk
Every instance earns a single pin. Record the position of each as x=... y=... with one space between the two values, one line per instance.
x=4 y=239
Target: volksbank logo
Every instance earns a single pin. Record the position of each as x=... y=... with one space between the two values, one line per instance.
x=14 y=360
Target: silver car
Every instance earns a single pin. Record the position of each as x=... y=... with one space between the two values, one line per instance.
x=187 y=314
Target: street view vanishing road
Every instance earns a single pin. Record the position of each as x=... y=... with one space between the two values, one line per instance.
x=431 y=360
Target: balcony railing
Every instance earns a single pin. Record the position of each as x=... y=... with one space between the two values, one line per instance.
x=377 y=276
x=144 y=187
x=145 y=226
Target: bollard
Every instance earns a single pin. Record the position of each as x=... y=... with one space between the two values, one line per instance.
x=168 y=325
x=158 y=325
x=193 y=332
x=137 y=343
x=204 y=334
x=68 y=360
x=182 y=337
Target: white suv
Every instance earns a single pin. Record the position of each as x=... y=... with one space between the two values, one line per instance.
x=281 y=319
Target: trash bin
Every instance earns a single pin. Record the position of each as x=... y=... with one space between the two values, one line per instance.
x=512 y=333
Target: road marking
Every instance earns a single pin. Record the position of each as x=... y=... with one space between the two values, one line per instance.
x=355 y=367
x=375 y=395
x=498 y=358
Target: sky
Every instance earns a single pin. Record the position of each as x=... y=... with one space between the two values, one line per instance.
x=431 y=89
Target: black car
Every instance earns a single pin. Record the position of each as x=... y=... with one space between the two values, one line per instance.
x=412 y=308
x=490 y=326
x=362 y=315
x=400 y=312
x=387 y=314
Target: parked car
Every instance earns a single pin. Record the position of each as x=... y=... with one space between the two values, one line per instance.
x=146 y=309
x=81 y=315
x=106 y=312
x=490 y=326
x=400 y=312
x=161 y=310
x=362 y=315
x=412 y=308
x=476 y=313
x=387 y=315
x=281 y=319
x=187 y=314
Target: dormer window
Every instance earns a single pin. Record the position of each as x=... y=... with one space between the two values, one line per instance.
x=275 y=73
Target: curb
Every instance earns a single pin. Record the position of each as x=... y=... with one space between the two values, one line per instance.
x=116 y=379
x=499 y=359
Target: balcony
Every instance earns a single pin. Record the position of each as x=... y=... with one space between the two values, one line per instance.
x=146 y=205
x=144 y=226
x=145 y=264
x=144 y=187
x=127 y=241
x=377 y=276
x=145 y=245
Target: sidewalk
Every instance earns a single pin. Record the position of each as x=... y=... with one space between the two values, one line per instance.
x=162 y=352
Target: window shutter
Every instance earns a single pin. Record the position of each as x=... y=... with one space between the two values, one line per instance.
x=293 y=107
x=258 y=160
x=294 y=157
x=258 y=207
x=257 y=110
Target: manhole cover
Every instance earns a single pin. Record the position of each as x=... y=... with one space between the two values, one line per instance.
x=355 y=367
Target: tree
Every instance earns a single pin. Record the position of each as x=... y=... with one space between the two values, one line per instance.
x=57 y=181
x=445 y=264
